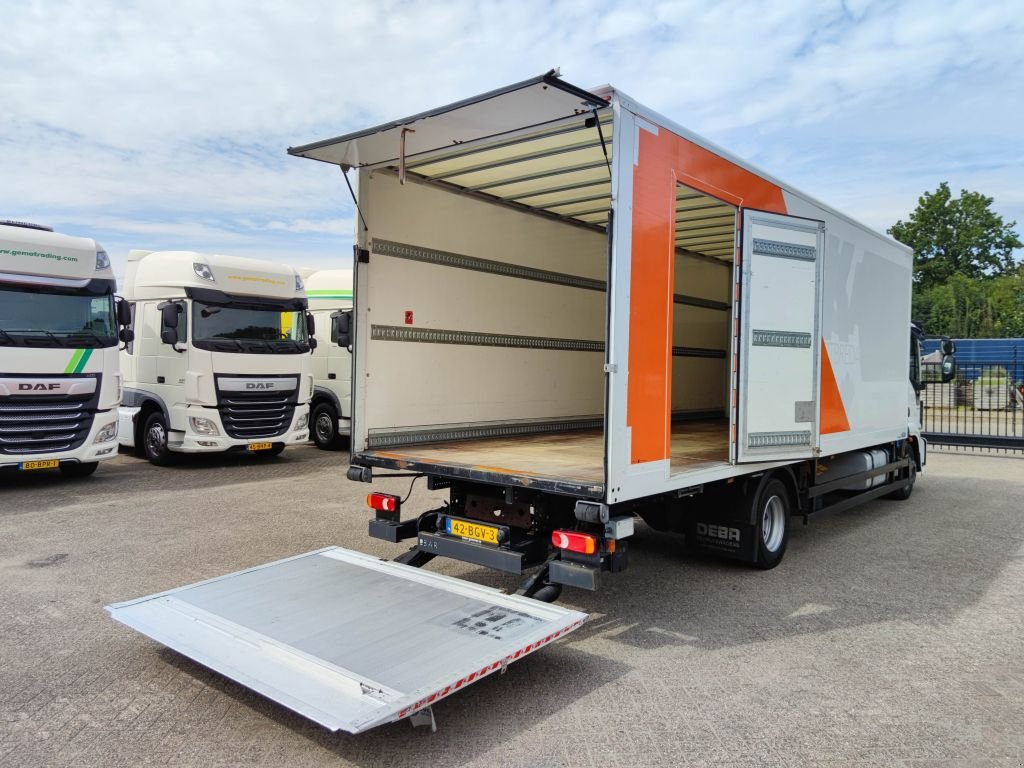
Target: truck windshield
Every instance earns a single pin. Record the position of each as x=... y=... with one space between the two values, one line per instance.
x=45 y=317
x=248 y=328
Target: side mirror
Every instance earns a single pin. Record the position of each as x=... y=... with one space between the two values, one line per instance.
x=345 y=329
x=169 y=316
x=126 y=335
x=948 y=347
x=169 y=336
x=310 y=324
x=948 y=367
x=312 y=343
x=124 y=312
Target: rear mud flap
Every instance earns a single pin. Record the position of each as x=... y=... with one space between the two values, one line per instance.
x=724 y=538
x=345 y=639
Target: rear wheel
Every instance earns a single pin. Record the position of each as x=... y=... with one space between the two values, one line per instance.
x=325 y=427
x=154 y=440
x=771 y=508
x=83 y=469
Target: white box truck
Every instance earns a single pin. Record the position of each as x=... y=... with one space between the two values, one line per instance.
x=59 y=379
x=220 y=357
x=570 y=313
x=329 y=292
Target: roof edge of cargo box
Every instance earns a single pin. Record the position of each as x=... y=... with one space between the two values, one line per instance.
x=550 y=78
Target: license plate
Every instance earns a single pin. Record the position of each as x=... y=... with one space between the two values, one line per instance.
x=485 y=534
x=260 y=446
x=41 y=464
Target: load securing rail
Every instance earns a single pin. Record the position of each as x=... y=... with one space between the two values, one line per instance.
x=345 y=639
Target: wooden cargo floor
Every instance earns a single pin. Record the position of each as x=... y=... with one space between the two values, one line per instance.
x=573 y=456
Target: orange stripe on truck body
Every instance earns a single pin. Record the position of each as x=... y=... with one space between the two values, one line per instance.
x=665 y=160
x=831 y=411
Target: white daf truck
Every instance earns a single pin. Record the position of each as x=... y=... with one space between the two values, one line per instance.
x=59 y=332
x=329 y=292
x=571 y=313
x=220 y=359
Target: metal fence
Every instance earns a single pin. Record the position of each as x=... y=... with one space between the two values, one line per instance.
x=982 y=408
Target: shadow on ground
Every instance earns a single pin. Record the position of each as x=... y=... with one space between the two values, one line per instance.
x=920 y=561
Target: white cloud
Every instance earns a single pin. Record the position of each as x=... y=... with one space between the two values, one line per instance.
x=333 y=226
x=165 y=125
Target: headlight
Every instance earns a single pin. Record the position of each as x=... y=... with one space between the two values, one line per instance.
x=202 y=271
x=203 y=426
x=106 y=434
x=102 y=259
x=303 y=421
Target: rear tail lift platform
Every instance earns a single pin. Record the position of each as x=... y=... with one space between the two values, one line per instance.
x=345 y=639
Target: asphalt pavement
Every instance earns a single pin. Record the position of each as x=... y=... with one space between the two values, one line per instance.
x=891 y=635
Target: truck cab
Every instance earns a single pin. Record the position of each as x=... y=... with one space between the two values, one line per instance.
x=329 y=292
x=220 y=359
x=59 y=378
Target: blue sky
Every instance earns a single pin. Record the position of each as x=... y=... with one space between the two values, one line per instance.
x=160 y=126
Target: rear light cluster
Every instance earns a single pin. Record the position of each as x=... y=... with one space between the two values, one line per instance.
x=574 y=541
x=383 y=502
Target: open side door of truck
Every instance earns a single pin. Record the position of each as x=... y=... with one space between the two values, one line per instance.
x=778 y=343
x=345 y=639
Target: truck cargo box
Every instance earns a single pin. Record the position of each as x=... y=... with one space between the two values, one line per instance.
x=563 y=290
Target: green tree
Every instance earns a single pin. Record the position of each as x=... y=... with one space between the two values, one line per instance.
x=964 y=307
x=957 y=236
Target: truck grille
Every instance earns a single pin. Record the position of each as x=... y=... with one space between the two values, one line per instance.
x=250 y=416
x=45 y=424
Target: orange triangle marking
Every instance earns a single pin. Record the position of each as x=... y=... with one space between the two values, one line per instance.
x=832 y=413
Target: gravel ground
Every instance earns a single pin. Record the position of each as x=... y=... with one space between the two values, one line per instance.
x=891 y=635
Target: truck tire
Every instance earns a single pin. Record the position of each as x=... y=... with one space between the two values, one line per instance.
x=771 y=512
x=325 y=427
x=154 y=441
x=908 y=488
x=82 y=469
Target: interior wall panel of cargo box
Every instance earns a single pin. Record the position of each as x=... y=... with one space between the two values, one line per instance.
x=460 y=379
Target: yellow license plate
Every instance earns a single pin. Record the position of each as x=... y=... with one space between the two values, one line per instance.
x=485 y=534
x=260 y=446
x=41 y=464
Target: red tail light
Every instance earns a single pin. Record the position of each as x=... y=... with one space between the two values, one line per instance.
x=584 y=543
x=383 y=502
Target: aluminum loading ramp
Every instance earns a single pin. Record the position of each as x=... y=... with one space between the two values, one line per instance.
x=349 y=641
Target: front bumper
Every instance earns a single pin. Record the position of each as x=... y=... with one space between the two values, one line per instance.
x=183 y=438
x=88 y=452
